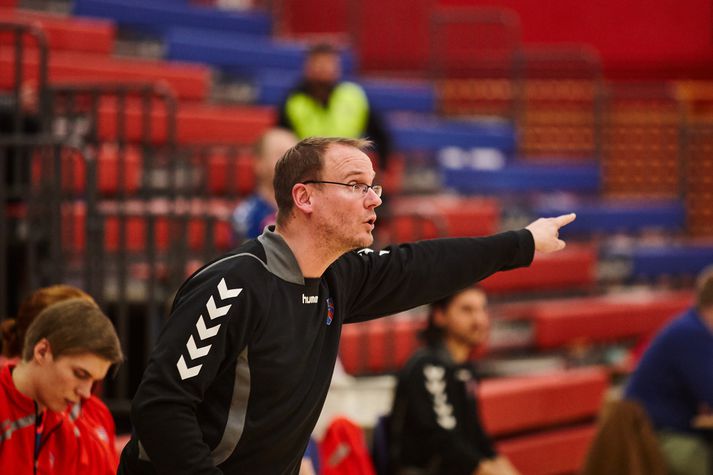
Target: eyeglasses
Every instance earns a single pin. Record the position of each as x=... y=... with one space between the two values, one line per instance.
x=362 y=188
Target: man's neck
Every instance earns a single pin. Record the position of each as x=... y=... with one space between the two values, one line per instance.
x=312 y=259
x=320 y=91
x=22 y=379
x=458 y=351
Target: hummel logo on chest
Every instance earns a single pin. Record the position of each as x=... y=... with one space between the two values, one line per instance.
x=310 y=299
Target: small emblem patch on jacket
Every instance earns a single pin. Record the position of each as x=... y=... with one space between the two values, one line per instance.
x=330 y=310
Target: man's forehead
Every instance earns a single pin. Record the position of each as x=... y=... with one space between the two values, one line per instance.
x=347 y=160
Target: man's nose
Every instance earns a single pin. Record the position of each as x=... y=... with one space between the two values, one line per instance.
x=372 y=199
x=84 y=390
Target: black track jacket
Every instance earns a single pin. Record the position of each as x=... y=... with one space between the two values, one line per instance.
x=435 y=423
x=238 y=377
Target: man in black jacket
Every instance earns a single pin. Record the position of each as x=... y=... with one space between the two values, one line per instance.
x=435 y=425
x=240 y=372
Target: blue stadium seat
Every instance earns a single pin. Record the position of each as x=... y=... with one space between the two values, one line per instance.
x=401 y=96
x=273 y=86
x=157 y=17
x=653 y=261
x=242 y=53
x=238 y=53
x=523 y=178
x=619 y=216
x=426 y=133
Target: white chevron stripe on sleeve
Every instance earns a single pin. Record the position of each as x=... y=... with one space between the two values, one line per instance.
x=205 y=332
x=194 y=351
x=448 y=422
x=225 y=292
x=215 y=312
x=185 y=371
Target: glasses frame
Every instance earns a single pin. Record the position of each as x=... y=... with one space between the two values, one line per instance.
x=362 y=188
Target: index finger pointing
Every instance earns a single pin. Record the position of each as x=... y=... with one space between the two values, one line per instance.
x=564 y=219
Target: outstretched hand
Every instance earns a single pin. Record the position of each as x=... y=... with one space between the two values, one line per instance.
x=545 y=232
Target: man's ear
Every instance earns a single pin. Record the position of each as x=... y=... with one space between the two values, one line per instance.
x=43 y=351
x=302 y=198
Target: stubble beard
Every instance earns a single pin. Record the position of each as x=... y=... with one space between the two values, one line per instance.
x=335 y=241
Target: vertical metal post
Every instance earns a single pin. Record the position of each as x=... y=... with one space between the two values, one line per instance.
x=4 y=231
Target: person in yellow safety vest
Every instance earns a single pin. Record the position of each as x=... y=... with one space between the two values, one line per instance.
x=323 y=105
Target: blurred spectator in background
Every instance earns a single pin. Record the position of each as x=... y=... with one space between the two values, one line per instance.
x=674 y=382
x=258 y=210
x=91 y=417
x=435 y=425
x=323 y=105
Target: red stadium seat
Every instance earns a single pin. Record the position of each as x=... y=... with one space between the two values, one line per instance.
x=427 y=217
x=74 y=218
x=350 y=350
x=376 y=345
x=197 y=229
x=188 y=81
x=67 y=33
x=573 y=268
x=224 y=177
x=136 y=219
x=108 y=171
x=108 y=163
x=605 y=319
x=514 y=405
x=554 y=452
x=381 y=345
x=197 y=123
x=405 y=340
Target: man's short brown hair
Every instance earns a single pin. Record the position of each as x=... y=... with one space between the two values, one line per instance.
x=72 y=327
x=322 y=48
x=304 y=162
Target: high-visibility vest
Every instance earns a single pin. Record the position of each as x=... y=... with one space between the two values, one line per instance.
x=345 y=114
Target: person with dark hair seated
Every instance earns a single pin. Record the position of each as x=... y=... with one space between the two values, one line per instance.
x=435 y=427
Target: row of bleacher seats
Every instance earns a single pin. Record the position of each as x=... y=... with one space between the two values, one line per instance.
x=549 y=324
x=199 y=122
x=429 y=135
x=554 y=412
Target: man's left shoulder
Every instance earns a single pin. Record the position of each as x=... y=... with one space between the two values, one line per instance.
x=351 y=88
